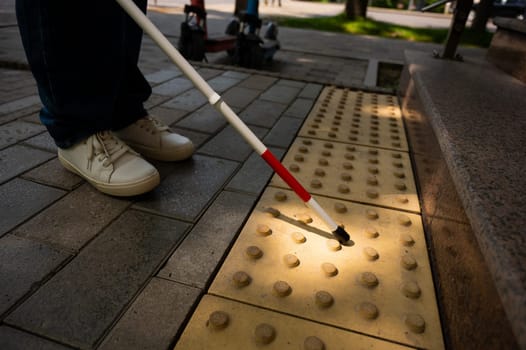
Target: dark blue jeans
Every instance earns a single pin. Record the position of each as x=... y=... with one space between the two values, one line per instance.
x=83 y=55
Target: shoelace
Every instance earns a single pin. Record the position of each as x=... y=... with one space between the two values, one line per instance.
x=107 y=148
x=152 y=124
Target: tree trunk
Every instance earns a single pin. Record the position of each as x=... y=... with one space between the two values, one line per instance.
x=355 y=8
x=482 y=15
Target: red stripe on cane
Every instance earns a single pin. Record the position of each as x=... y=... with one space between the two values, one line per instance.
x=286 y=175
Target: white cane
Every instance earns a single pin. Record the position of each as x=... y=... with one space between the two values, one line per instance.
x=215 y=100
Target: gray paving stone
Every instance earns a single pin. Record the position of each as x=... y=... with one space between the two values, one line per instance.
x=292 y=83
x=17 y=90
x=23 y=264
x=18 y=159
x=198 y=138
x=16 y=131
x=21 y=103
x=311 y=90
x=187 y=101
x=240 y=97
x=258 y=82
x=282 y=134
x=173 y=87
x=222 y=83
x=154 y=318
x=74 y=220
x=186 y=192
x=32 y=118
x=208 y=73
x=13 y=339
x=236 y=75
x=197 y=257
x=80 y=302
x=34 y=109
x=43 y=141
x=168 y=116
x=353 y=73
x=300 y=108
x=155 y=100
x=163 y=75
x=205 y=119
x=230 y=145
x=21 y=199
x=254 y=174
x=280 y=93
x=16 y=79
x=262 y=113
x=52 y=173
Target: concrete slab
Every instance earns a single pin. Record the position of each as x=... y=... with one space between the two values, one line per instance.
x=280 y=93
x=155 y=100
x=163 y=75
x=187 y=191
x=21 y=103
x=32 y=110
x=311 y=91
x=13 y=166
x=262 y=113
x=371 y=75
x=222 y=83
x=16 y=131
x=24 y=265
x=485 y=157
x=74 y=220
x=240 y=97
x=154 y=317
x=466 y=289
x=13 y=339
x=100 y=281
x=196 y=259
x=300 y=108
x=52 y=173
x=187 y=101
x=173 y=87
x=43 y=141
x=292 y=83
x=230 y=145
x=21 y=199
x=282 y=134
x=257 y=82
x=169 y=116
x=254 y=174
x=205 y=119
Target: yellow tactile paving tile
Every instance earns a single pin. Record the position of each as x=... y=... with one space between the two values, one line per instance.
x=225 y=324
x=358 y=173
x=380 y=286
x=356 y=117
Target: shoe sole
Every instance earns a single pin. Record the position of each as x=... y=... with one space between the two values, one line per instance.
x=121 y=190
x=153 y=153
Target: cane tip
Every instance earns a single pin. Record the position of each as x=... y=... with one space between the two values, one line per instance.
x=341 y=235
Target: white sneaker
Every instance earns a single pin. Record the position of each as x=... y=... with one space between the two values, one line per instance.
x=151 y=138
x=110 y=165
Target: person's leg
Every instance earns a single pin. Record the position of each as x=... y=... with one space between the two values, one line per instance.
x=84 y=58
x=134 y=88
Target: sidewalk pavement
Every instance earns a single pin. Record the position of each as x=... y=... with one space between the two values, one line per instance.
x=84 y=270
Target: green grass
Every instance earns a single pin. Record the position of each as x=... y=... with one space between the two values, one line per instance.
x=341 y=24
